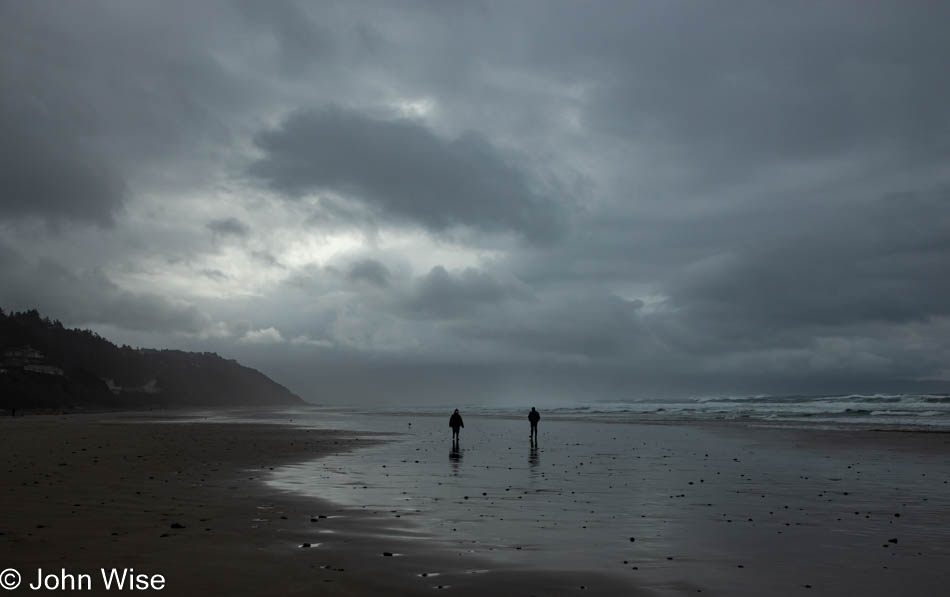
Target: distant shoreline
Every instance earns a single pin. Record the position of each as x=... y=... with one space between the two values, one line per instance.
x=178 y=412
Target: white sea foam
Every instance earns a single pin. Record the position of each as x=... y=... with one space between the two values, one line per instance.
x=874 y=410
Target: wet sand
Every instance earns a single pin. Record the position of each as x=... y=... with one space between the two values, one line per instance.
x=722 y=509
x=185 y=500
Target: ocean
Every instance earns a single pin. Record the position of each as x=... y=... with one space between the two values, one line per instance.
x=847 y=411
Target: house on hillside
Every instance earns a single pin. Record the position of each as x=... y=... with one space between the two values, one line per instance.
x=27 y=358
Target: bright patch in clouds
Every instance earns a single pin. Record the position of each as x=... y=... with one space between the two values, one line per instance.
x=418 y=108
x=265 y=336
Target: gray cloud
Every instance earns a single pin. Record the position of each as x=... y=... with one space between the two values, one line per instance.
x=214 y=274
x=89 y=116
x=370 y=271
x=407 y=171
x=876 y=261
x=442 y=295
x=46 y=173
x=230 y=226
x=590 y=326
x=299 y=39
x=90 y=297
x=266 y=258
x=760 y=86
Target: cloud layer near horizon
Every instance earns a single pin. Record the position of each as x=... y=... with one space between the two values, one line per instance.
x=503 y=202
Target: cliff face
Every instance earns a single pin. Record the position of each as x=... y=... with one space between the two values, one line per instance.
x=45 y=365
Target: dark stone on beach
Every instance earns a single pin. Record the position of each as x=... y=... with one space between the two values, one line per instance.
x=177 y=525
x=164 y=535
x=388 y=554
x=894 y=540
x=304 y=545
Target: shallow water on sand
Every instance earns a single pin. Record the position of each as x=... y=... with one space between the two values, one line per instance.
x=725 y=509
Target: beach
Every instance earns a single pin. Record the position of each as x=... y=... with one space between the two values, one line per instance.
x=311 y=502
x=186 y=501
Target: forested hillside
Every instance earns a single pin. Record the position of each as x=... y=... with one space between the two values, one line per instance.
x=46 y=365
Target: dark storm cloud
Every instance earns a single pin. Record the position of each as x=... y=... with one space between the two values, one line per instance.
x=46 y=173
x=48 y=165
x=370 y=271
x=90 y=297
x=266 y=258
x=213 y=274
x=98 y=95
x=875 y=262
x=405 y=170
x=816 y=289
x=592 y=326
x=732 y=89
x=443 y=295
x=230 y=226
x=299 y=39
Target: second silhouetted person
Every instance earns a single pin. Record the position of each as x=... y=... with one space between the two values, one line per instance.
x=533 y=418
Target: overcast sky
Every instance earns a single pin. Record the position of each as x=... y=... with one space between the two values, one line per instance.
x=407 y=202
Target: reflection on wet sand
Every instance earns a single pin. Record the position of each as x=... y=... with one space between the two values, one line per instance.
x=455 y=458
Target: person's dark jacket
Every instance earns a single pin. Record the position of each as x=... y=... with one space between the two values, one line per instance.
x=534 y=416
x=455 y=421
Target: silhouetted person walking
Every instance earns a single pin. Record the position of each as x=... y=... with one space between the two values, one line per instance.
x=533 y=418
x=455 y=422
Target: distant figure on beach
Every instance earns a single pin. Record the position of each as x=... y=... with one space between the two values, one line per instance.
x=455 y=422
x=533 y=418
